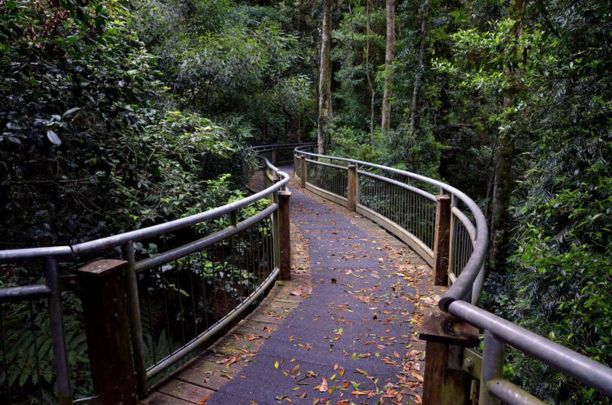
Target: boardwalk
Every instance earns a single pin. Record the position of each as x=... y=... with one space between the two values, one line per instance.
x=346 y=336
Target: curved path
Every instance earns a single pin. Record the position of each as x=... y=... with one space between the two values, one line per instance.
x=353 y=339
x=342 y=331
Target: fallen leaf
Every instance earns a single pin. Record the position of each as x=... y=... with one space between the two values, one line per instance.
x=323 y=386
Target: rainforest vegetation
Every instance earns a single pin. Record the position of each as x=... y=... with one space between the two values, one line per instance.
x=119 y=114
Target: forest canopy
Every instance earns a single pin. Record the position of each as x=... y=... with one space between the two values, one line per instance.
x=120 y=114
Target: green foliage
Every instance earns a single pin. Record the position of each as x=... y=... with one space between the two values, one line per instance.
x=115 y=118
x=87 y=129
x=353 y=97
x=240 y=63
x=92 y=143
x=539 y=79
x=29 y=350
x=357 y=144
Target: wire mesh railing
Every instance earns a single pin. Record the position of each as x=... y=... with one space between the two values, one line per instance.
x=186 y=281
x=405 y=206
x=327 y=177
x=188 y=293
x=449 y=231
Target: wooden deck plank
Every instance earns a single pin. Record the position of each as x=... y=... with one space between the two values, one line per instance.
x=157 y=398
x=185 y=391
x=213 y=378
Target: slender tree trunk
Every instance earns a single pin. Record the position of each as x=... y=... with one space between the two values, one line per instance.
x=502 y=189
x=367 y=70
x=325 y=106
x=386 y=103
x=298 y=133
x=504 y=156
x=420 y=68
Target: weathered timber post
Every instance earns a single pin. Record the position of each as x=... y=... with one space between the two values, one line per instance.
x=441 y=239
x=276 y=243
x=104 y=298
x=304 y=174
x=445 y=381
x=284 y=222
x=273 y=159
x=352 y=187
x=492 y=365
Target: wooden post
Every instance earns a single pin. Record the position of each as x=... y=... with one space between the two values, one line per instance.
x=445 y=381
x=273 y=159
x=304 y=174
x=284 y=234
x=441 y=239
x=352 y=187
x=104 y=298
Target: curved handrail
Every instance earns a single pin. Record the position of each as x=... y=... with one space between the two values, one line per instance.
x=497 y=331
x=276 y=146
x=97 y=245
x=461 y=288
x=52 y=254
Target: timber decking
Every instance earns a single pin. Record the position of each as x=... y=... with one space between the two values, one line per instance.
x=368 y=292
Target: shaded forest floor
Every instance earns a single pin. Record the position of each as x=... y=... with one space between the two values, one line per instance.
x=344 y=329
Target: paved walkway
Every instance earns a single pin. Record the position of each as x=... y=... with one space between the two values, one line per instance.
x=342 y=331
x=352 y=340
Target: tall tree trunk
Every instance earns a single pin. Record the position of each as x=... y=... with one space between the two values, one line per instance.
x=325 y=106
x=367 y=69
x=386 y=103
x=420 y=68
x=502 y=189
x=298 y=133
x=504 y=155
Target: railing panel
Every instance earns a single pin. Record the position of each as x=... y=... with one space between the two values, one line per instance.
x=41 y=355
x=327 y=176
x=462 y=244
x=186 y=297
x=387 y=196
x=190 y=297
x=412 y=211
x=26 y=374
x=297 y=166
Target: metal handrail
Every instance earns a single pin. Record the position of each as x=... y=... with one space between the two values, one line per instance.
x=461 y=289
x=97 y=245
x=51 y=255
x=277 y=146
x=468 y=284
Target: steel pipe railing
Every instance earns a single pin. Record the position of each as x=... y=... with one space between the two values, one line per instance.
x=382 y=197
x=462 y=288
x=247 y=248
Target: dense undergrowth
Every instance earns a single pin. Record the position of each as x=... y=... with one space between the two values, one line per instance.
x=117 y=115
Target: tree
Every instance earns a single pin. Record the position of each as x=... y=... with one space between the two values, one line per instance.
x=386 y=103
x=420 y=68
x=504 y=152
x=325 y=77
x=367 y=68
